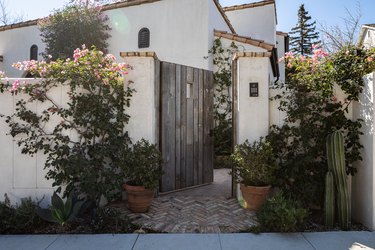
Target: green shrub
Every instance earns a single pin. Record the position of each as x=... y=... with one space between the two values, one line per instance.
x=141 y=164
x=19 y=218
x=281 y=214
x=254 y=164
x=110 y=220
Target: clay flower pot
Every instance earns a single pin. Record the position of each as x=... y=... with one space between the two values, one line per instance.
x=139 y=198
x=254 y=196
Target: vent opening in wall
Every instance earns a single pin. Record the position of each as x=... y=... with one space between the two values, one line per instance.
x=34 y=53
x=144 y=38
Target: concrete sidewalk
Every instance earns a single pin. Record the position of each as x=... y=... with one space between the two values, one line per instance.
x=326 y=240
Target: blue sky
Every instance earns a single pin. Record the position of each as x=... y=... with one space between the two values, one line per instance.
x=329 y=12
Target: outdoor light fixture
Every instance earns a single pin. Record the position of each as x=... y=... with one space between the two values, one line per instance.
x=254 y=89
x=1 y=58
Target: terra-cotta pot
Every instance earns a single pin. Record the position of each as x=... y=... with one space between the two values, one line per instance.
x=139 y=198
x=254 y=196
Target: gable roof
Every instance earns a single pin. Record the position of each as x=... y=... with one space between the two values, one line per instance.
x=19 y=25
x=222 y=12
x=244 y=39
x=362 y=33
x=249 y=5
x=280 y=33
x=112 y=6
x=252 y=5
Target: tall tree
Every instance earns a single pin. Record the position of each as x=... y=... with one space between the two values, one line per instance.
x=303 y=35
x=5 y=16
x=69 y=28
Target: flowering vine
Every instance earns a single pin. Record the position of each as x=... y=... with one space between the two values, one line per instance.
x=87 y=130
x=313 y=110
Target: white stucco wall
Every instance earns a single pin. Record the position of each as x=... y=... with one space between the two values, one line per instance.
x=15 y=46
x=369 y=38
x=280 y=45
x=253 y=112
x=178 y=30
x=22 y=175
x=215 y=21
x=258 y=22
x=363 y=183
x=143 y=109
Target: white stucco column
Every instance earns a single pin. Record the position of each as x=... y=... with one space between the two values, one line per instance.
x=144 y=106
x=363 y=183
x=251 y=114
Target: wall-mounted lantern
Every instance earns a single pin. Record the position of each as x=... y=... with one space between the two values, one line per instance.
x=254 y=89
x=1 y=58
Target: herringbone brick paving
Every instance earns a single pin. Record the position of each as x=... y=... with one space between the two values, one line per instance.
x=192 y=214
x=207 y=209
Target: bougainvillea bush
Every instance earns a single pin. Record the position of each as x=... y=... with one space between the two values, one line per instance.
x=87 y=130
x=314 y=110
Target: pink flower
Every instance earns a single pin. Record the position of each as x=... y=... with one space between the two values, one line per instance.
x=17 y=65
x=370 y=59
x=110 y=57
x=15 y=86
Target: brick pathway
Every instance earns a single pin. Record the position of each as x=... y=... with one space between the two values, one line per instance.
x=192 y=214
x=206 y=209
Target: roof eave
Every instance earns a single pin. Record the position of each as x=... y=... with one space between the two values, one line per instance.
x=244 y=39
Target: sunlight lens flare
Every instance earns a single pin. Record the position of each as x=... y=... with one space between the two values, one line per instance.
x=119 y=22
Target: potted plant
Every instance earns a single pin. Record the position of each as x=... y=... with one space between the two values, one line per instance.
x=254 y=168
x=141 y=165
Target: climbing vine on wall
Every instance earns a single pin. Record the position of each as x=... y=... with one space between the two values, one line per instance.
x=222 y=57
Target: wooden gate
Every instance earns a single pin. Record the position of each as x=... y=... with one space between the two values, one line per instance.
x=186 y=123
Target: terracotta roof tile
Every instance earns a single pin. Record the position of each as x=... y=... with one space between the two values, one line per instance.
x=125 y=4
x=244 y=39
x=19 y=25
x=139 y=54
x=222 y=12
x=252 y=54
x=111 y=6
x=117 y=5
x=280 y=33
x=249 y=5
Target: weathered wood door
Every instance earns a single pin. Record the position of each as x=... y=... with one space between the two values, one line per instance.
x=186 y=123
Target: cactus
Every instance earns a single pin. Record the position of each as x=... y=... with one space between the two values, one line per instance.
x=329 y=203
x=336 y=162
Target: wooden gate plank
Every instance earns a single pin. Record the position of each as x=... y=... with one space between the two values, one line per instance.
x=168 y=126
x=200 y=126
x=186 y=121
x=183 y=127
x=208 y=117
x=196 y=120
x=178 y=128
x=190 y=131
